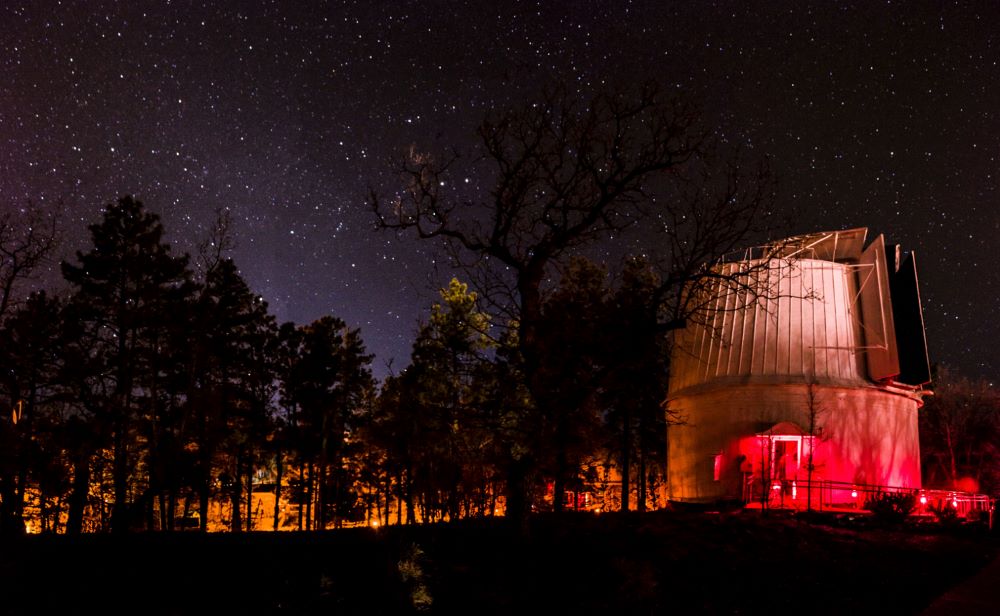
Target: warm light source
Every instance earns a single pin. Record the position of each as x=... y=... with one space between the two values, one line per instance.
x=854 y=493
x=923 y=499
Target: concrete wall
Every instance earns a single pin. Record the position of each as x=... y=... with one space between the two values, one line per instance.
x=868 y=435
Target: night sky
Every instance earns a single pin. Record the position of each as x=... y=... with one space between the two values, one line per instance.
x=880 y=115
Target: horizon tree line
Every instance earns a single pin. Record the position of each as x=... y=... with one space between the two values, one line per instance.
x=155 y=389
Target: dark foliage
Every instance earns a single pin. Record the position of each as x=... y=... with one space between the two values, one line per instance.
x=891 y=507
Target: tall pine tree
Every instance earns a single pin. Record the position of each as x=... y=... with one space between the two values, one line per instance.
x=127 y=288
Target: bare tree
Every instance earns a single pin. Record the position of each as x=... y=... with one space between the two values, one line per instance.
x=569 y=172
x=217 y=243
x=814 y=412
x=27 y=238
x=959 y=434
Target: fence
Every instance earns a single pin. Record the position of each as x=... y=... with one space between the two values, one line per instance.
x=824 y=495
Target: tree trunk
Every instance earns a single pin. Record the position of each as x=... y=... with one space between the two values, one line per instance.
x=399 y=499
x=309 y=496
x=165 y=515
x=559 y=483
x=250 y=511
x=517 y=505
x=119 y=513
x=204 y=483
x=6 y=496
x=204 y=466
x=122 y=401
x=626 y=457
x=322 y=496
x=388 y=497
x=43 y=512
x=408 y=495
x=78 y=497
x=236 y=497
x=17 y=505
x=172 y=506
x=641 y=505
x=279 y=467
x=518 y=472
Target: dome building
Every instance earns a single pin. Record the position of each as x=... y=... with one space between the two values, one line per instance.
x=821 y=365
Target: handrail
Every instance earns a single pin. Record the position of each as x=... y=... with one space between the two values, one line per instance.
x=830 y=495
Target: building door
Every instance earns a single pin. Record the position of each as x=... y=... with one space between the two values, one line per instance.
x=785 y=454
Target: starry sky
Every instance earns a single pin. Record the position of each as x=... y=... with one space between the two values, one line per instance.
x=884 y=115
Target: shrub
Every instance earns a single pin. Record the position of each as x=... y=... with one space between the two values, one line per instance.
x=978 y=517
x=945 y=514
x=891 y=507
x=411 y=570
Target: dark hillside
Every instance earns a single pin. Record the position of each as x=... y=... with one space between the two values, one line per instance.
x=664 y=562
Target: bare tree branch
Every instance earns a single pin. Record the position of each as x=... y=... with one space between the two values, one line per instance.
x=219 y=241
x=28 y=238
x=569 y=172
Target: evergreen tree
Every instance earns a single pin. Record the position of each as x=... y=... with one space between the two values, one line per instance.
x=393 y=429
x=232 y=385
x=444 y=387
x=326 y=377
x=572 y=365
x=127 y=288
x=636 y=381
x=29 y=352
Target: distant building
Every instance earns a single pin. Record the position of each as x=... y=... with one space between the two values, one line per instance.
x=826 y=359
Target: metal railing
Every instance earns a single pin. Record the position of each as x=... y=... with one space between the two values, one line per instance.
x=826 y=495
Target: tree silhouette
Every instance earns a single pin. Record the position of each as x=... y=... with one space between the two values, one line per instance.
x=29 y=385
x=635 y=386
x=443 y=387
x=126 y=287
x=234 y=339
x=325 y=380
x=959 y=432
x=27 y=239
x=569 y=172
x=571 y=337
